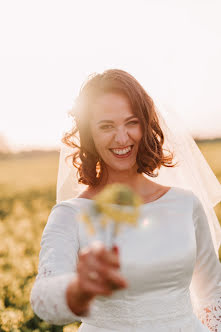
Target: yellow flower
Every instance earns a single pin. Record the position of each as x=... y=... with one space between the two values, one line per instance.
x=115 y=202
x=118 y=194
x=119 y=202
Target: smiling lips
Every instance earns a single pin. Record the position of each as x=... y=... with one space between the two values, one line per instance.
x=124 y=151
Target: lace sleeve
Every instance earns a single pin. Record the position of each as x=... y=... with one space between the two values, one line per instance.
x=206 y=280
x=57 y=263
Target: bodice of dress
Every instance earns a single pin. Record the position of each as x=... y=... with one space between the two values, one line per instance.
x=170 y=250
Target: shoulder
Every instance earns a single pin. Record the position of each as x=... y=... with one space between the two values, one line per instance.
x=191 y=199
x=181 y=192
x=63 y=216
x=186 y=196
x=72 y=205
x=198 y=207
x=90 y=192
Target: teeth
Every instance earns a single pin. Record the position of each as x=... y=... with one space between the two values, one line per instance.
x=122 y=151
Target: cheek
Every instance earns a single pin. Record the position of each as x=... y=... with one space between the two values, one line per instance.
x=136 y=133
x=101 y=140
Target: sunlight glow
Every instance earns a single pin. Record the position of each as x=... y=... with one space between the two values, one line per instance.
x=172 y=48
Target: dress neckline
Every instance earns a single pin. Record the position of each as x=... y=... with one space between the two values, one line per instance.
x=142 y=205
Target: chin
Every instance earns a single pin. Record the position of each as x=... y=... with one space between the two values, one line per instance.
x=121 y=165
x=118 y=167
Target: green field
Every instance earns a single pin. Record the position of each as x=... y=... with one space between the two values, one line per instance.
x=28 y=192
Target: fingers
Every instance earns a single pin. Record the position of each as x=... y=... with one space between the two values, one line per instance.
x=97 y=288
x=101 y=253
x=105 y=262
x=104 y=255
x=100 y=286
x=114 y=277
x=107 y=273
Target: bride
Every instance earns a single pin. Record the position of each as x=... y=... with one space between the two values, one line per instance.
x=148 y=280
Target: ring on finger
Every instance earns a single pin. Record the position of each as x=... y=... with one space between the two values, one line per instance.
x=93 y=275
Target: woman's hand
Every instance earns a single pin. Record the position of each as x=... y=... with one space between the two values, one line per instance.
x=97 y=274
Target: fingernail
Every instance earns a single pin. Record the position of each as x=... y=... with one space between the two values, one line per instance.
x=116 y=249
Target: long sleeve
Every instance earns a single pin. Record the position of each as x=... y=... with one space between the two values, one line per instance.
x=57 y=266
x=206 y=280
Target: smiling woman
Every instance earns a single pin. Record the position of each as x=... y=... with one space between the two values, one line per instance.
x=118 y=129
x=168 y=259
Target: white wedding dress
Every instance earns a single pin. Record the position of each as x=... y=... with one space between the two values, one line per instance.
x=170 y=251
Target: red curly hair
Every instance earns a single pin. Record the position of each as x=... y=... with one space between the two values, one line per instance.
x=150 y=154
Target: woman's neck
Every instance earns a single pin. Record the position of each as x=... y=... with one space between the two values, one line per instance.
x=136 y=181
x=128 y=177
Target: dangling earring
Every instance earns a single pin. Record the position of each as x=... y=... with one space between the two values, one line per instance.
x=98 y=167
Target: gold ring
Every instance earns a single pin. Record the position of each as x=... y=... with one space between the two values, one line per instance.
x=93 y=275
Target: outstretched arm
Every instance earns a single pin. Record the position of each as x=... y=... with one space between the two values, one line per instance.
x=57 y=266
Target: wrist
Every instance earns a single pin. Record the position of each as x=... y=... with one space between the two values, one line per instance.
x=77 y=301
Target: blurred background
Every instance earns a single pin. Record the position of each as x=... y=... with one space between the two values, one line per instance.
x=48 y=48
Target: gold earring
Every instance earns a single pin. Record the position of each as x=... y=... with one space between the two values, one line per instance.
x=98 y=167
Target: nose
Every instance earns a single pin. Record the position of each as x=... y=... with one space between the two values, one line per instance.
x=121 y=137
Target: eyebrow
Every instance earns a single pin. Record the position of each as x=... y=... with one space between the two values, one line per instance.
x=110 y=121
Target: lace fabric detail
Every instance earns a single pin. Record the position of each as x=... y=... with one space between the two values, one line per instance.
x=153 y=313
x=44 y=273
x=48 y=299
x=210 y=315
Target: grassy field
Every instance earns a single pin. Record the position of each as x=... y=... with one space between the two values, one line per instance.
x=28 y=192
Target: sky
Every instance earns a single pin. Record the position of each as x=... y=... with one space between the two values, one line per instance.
x=48 y=49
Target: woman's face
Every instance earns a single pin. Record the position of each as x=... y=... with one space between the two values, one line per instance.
x=116 y=131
